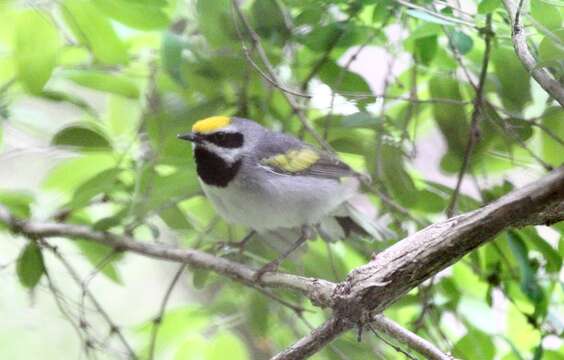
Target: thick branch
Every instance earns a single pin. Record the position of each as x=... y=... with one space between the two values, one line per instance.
x=406 y=264
x=519 y=37
x=318 y=291
x=371 y=287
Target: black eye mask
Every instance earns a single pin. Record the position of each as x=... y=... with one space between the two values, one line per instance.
x=225 y=139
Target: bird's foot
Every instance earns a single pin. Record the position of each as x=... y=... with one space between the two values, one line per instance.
x=270 y=267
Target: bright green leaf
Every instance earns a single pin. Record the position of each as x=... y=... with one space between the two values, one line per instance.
x=139 y=15
x=474 y=345
x=488 y=6
x=98 y=80
x=552 y=51
x=36 y=45
x=101 y=183
x=18 y=202
x=553 y=121
x=94 y=31
x=546 y=14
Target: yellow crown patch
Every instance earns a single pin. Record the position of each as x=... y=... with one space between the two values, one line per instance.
x=211 y=124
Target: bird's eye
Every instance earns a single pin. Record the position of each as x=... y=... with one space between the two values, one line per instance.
x=221 y=136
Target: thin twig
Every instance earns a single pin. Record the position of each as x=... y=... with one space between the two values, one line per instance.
x=114 y=329
x=158 y=320
x=257 y=45
x=474 y=134
x=412 y=340
x=436 y=14
x=390 y=344
x=519 y=38
x=85 y=283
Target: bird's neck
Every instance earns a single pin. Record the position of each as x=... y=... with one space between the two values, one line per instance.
x=212 y=169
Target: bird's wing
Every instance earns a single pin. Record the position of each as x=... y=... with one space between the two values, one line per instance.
x=304 y=160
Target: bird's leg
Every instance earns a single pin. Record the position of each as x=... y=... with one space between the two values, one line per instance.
x=273 y=265
x=239 y=244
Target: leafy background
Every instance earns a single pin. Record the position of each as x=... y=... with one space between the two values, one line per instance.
x=93 y=93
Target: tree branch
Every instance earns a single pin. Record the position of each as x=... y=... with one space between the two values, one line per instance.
x=474 y=132
x=519 y=38
x=316 y=340
x=406 y=264
x=317 y=290
x=369 y=288
x=408 y=338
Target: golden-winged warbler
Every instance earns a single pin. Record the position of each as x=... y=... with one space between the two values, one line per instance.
x=271 y=181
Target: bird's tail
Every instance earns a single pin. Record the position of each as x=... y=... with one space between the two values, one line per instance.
x=356 y=216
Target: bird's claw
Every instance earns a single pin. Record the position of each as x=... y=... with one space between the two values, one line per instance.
x=270 y=267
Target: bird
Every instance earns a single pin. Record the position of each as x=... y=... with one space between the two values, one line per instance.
x=271 y=181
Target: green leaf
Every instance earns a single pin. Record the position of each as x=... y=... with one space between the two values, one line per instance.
x=257 y=313
x=550 y=50
x=175 y=218
x=171 y=55
x=135 y=14
x=216 y=23
x=462 y=42
x=200 y=278
x=102 y=258
x=36 y=46
x=425 y=49
x=395 y=177
x=30 y=266
x=488 y=6
x=320 y=38
x=361 y=119
x=551 y=255
x=225 y=343
x=451 y=118
x=344 y=82
x=529 y=284
x=98 y=80
x=429 y=17
x=547 y=14
x=100 y=183
x=474 y=345
x=81 y=137
x=429 y=202
x=269 y=19
x=94 y=30
x=553 y=121
x=514 y=81
x=521 y=129
x=18 y=202
x=71 y=173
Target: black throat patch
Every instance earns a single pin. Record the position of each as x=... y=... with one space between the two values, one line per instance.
x=212 y=169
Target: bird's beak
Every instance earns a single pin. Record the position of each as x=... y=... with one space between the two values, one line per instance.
x=195 y=138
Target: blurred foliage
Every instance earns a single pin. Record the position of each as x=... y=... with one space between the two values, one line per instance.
x=156 y=66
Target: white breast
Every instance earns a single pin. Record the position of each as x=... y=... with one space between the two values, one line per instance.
x=281 y=202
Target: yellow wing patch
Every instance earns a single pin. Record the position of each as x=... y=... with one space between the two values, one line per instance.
x=211 y=124
x=293 y=161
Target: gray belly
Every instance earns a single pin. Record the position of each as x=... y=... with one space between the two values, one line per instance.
x=281 y=202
